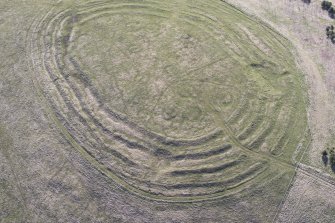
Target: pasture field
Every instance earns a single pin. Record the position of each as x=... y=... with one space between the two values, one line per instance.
x=167 y=111
x=175 y=100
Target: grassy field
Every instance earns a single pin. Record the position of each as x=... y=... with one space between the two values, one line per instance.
x=182 y=103
x=179 y=101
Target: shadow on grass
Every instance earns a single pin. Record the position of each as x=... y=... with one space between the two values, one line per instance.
x=333 y=167
x=325 y=159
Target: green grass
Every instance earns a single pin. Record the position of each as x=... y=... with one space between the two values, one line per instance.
x=139 y=78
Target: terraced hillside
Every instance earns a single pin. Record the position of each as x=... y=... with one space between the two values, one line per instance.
x=173 y=100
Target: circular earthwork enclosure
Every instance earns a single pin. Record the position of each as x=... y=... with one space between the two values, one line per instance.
x=173 y=100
